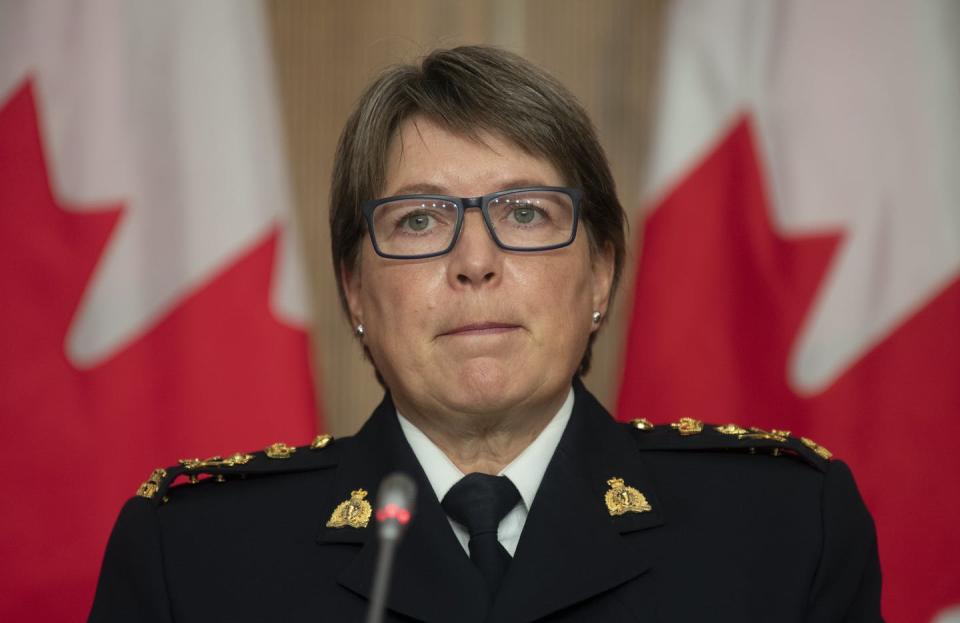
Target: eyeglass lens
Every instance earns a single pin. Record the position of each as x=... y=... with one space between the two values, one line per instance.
x=524 y=220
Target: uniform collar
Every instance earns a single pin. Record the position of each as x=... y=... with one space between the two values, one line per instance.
x=435 y=581
x=570 y=509
x=525 y=471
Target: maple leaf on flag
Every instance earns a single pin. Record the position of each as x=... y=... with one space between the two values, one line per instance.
x=720 y=299
x=711 y=241
x=212 y=376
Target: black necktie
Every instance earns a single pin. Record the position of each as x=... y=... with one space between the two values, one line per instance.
x=479 y=502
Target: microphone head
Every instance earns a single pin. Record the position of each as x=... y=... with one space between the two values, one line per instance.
x=395 y=502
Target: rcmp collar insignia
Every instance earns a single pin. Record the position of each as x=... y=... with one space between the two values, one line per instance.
x=353 y=513
x=621 y=498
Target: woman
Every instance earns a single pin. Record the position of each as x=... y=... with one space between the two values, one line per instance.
x=478 y=239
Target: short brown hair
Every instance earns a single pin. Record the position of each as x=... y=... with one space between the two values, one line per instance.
x=468 y=90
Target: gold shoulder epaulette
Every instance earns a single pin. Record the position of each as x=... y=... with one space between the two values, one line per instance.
x=691 y=434
x=275 y=458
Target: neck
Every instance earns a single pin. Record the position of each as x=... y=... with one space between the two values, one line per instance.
x=484 y=443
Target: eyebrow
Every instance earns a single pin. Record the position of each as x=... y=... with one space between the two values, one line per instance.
x=425 y=188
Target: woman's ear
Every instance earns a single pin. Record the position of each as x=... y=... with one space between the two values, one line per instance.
x=603 y=264
x=352 y=288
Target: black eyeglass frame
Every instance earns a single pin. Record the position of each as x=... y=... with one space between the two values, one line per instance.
x=481 y=203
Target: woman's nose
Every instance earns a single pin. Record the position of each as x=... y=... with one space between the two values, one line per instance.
x=475 y=259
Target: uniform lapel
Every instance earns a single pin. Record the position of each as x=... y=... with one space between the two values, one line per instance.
x=571 y=547
x=433 y=579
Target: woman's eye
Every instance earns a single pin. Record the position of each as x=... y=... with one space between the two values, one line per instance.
x=416 y=222
x=525 y=215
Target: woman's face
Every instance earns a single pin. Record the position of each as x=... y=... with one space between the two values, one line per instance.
x=478 y=330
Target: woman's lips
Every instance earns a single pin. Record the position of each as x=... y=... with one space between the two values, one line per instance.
x=480 y=328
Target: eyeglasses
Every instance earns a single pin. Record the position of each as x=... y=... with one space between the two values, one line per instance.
x=520 y=219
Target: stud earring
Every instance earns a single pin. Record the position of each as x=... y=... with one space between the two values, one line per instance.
x=597 y=317
x=359 y=330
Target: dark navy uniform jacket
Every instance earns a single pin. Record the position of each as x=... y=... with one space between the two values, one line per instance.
x=742 y=527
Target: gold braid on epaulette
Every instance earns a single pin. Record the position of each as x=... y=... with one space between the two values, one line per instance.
x=219 y=468
x=689 y=433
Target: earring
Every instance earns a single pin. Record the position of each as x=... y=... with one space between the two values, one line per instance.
x=359 y=330
x=597 y=317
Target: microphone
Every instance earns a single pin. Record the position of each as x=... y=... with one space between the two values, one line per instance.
x=395 y=501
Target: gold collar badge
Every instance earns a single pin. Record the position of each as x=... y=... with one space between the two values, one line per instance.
x=353 y=513
x=621 y=499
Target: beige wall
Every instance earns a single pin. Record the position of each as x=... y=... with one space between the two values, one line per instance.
x=327 y=51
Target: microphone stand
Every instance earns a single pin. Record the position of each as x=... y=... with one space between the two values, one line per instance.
x=381 y=581
x=395 y=501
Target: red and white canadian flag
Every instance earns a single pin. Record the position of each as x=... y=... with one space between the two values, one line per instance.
x=152 y=303
x=800 y=263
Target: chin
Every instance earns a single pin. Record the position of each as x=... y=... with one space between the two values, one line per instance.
x=487 y=387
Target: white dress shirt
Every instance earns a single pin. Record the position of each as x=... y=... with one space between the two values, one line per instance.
x=525 y=472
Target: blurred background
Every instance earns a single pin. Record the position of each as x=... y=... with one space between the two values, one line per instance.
x=789 y=170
